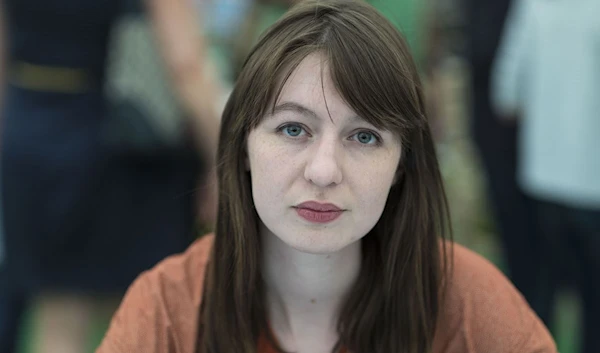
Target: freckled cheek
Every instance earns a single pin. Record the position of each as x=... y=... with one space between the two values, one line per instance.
x=376 y=184
x=375 y=196
x=269 y=170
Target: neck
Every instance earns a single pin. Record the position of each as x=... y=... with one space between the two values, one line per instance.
x=306 y=290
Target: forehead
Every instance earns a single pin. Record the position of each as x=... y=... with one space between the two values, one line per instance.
x=310 y=85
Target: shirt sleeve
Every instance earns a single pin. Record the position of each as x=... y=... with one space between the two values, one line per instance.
x=141 y=324
x=160 y=311
x=510 y=65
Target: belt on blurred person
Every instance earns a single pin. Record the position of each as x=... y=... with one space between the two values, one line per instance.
x=49 y=78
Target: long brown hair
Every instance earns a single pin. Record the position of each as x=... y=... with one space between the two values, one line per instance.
x=395 y=302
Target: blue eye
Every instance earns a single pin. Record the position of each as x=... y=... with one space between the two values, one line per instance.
x=292 y=130
x=366 y=138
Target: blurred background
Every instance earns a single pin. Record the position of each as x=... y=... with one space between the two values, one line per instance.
x=162 y=75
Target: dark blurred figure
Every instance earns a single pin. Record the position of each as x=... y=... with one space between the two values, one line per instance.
x=547 y=74
x=496 y=142
x=81 y=219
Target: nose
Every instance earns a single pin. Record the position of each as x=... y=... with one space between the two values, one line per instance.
x=323 y=166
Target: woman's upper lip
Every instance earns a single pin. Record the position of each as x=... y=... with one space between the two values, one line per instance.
x=320 y=207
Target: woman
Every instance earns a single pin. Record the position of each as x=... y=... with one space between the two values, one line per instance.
x=331 y=215
x=67 y=199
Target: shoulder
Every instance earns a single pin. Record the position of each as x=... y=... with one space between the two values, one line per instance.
x=159 y=312
x=183 y=273
x=483 y=312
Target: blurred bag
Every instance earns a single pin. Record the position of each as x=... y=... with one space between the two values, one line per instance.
x=144 y=116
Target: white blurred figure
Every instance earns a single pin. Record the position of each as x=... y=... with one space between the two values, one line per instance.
x=548 y=73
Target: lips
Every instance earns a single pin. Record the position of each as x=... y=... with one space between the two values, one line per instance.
x=319 y=207
x=316 y=212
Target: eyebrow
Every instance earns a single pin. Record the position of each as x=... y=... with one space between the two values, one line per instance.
x=300 y=109
x=296 y=108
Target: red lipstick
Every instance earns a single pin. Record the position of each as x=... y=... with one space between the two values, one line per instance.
x=317 y=212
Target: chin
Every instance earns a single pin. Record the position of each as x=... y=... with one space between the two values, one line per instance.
x=309 y=245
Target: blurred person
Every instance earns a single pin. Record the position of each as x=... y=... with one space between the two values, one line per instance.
x=333 y=231
x=547 y=76
x=81 y=222
x=12 y=303
x=496 y=142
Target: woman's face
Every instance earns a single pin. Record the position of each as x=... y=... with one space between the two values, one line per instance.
x=320 y=173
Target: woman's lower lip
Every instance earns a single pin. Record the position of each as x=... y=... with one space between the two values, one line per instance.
x=318 y=216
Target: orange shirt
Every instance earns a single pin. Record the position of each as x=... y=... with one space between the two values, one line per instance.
x=483 y=312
